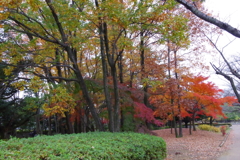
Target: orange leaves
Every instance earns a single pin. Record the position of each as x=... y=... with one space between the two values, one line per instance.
x=205 y=95
x=193 y=96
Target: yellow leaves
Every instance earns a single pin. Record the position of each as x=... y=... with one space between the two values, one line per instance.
x=34 y=5
x=3 y=15
x=59 y=101
x=8 y=70
x=10 y=3
x=36 y=83
x=19 y=85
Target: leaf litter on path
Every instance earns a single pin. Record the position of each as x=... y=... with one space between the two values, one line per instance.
x=201 y=145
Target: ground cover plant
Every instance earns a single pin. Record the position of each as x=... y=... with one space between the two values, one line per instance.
x=208 y=128
x=97 y=145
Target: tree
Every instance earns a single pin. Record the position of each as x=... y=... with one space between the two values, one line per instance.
x=203 y=98
x=44 y=30
x=13 y=110
x=225 y=26
x=77 y=52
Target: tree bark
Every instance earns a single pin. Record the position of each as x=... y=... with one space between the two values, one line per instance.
x=190 y=127
x=83 y=86
x=105 y=80
x=193 y=121
x=178 y=99
x=49 y=125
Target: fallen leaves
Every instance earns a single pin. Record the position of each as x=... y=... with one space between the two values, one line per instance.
x=201 y=145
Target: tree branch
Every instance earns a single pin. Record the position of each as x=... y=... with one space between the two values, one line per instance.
x=230 y=79
x=234 y=31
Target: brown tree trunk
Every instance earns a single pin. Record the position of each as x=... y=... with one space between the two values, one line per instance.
x=83 y=86
x=190 y=127
x=49 y=125
x=178 y=100
x=68 y=123
x=193 y=122
x=105 y=80
x=175 y=127
x=211 y=120
x=38 y=128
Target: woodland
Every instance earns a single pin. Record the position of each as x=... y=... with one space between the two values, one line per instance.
x=74 y=66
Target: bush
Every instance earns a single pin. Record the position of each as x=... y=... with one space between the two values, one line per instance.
x=208 y=128
x=86 y=146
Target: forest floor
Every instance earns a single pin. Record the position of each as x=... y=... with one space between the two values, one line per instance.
x=201 y=145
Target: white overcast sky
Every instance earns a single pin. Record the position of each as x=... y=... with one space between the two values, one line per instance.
x=227 y=11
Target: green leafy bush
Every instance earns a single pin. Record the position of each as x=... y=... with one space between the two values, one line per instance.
x=208 y=128
x=86 y=146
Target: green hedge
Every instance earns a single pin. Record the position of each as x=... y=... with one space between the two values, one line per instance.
x=85 y=146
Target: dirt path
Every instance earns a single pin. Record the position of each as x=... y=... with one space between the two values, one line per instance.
x=234 y=149
x=201 y=145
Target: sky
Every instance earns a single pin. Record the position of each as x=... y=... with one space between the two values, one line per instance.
x=229 y=12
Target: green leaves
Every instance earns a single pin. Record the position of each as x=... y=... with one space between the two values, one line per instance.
x=86 y=146
x=59 y=100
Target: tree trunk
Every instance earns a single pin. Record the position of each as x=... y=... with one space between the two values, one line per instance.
x=69 y=124
x=105 y=81
x=38 y=128
x=120 y=66
x=83 y=86
x=211 y=121
x=49 y=125
x=193 y=122
x=178 y=100
x=112 y=64
x=190 y=127
x=117 y=118
x=175 y=127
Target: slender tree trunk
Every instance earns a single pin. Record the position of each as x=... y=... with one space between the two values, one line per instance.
x=178 y=100
x=112 y=64
x=131 y=79
x=2 y=132
x=211 y=120
x=120 y=66
x=175 y=127
x=190 y=127
x=49 y=125
x=117 y=118
x=56 y=124
x=38 y=122
x=69 y=124
x=105 y=81
x=143 y=74
x=193 y=122
x=83 y=86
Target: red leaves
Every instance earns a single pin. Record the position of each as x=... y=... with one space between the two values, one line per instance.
x=188 y=97
x=205 y=95
x=145 y=113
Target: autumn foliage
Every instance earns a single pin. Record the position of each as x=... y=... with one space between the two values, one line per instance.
x=196 y=97
x=94 y=64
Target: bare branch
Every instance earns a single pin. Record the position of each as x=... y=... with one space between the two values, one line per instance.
x=234 y=31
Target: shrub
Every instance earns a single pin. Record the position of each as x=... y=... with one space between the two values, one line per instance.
x=208 y=128
x=224 y=129
x=86 y=146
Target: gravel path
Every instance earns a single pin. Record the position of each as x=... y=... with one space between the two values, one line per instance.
x=201 y=145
